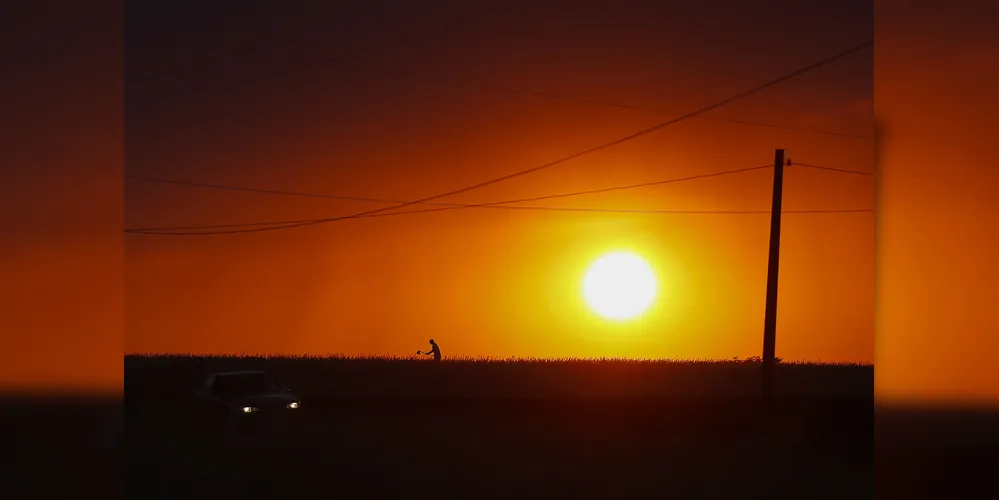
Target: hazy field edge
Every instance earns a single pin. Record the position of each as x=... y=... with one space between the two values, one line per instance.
x=482 y=359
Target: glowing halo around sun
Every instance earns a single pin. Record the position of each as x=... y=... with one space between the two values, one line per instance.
x=619 y=286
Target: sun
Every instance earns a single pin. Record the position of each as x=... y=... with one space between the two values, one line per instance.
x=619 y=286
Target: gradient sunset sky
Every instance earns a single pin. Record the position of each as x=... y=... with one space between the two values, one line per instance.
x=402 y=100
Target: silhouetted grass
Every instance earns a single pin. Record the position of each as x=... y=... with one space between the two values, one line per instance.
x=387 y=377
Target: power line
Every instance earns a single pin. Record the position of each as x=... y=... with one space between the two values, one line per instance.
x=447 y=206
x=547 y=95
x=527 y=208
x=639 y=211
x=626 y=210
x=817 y=64
x=359 y=12
x=350 y=16
x=832 y=169
x=789 y=127
x=257 y=190
x=260 y=226
x=564 y=159
x=383 y=200
x=629 y=137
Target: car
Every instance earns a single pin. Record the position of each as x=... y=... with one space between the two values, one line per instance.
x=246 y=393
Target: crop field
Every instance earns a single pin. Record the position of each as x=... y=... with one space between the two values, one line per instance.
x=529 y=428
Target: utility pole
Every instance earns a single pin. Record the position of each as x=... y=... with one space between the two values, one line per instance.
x=770 y=317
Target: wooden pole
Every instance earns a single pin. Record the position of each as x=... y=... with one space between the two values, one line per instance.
x=770 y=317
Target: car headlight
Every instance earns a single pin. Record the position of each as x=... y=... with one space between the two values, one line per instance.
x=293 y=405
x=250 y=409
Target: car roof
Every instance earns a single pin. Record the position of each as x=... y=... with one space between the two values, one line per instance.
x=239 y=372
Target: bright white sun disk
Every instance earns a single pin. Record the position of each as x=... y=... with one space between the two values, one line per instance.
x=619 y=286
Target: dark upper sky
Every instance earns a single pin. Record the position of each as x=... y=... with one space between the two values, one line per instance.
x=214 y=87
x=345 y=62
x=231 y=41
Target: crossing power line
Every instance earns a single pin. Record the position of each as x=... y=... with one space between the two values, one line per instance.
x=258 y=226
x=831 y=169
x=705 y=109
x=443 y=206
x=504 y=89
x=506 y=202
x=348 y=17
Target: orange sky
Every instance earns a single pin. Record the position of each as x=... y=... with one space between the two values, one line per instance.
x=937 y=236
x=503 y=282
x=61 y=323
x=63 y=326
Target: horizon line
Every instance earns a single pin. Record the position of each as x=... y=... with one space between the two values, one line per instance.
x=468 y=358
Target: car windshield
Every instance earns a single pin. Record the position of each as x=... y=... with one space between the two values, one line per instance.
x=242 y=385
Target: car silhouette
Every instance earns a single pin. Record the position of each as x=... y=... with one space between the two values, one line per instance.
x=242 y=394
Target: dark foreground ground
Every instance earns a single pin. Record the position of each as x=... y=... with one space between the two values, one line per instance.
x=399 y=429
x=405 y=429
x=505 y=449
x=60 y=449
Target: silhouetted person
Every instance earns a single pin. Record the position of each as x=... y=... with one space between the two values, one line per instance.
x=434 y=349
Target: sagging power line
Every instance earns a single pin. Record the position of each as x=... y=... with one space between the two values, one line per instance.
x=442 y=206
x=344 y=58
x=503 y=89
x=505 y=202
x=160 y=180
x=162 y=231
x=454 y=206
x=741 y=95
x=831 y=169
